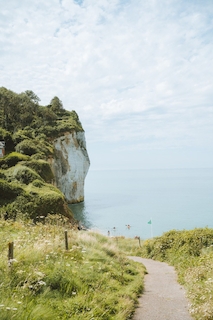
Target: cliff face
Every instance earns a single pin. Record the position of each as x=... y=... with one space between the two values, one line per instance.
x=70 y=165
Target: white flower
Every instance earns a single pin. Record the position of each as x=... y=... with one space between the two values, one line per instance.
x=40 y=274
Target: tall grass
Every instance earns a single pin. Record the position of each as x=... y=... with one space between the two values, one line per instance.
x=90 y=280
x=191 y=253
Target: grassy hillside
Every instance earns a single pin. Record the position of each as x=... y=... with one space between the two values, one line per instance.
x=94 y=279
x=90 y=280
x=191 y=253
x=28 y=130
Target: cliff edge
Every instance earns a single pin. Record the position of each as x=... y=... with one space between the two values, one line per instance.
x=70 y=165
x=43 y=158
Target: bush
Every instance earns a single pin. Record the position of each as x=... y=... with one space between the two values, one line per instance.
x=9 y=190
x=33 y=203
x=21 y=206
x=21 y=135
x=38 y=156
x=27 y=147
x=51 y=202
x=38 y=183
x=25 y=175
x=42 y=168
x=185 y=243
x=12 y=159
x=7 y=137
x=2 y=174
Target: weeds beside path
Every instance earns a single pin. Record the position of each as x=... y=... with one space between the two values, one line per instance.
x=85 y=277
x=163 y=298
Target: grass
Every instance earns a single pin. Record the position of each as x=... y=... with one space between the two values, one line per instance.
x=191 y=253
x=93 y=279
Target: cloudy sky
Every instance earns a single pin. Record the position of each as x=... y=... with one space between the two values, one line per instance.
x=138 y=72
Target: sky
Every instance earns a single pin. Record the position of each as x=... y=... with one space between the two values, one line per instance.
x=139 y=73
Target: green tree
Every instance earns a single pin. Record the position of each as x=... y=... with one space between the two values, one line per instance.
x=56 y=105
x=9 y=102
x=32 y=96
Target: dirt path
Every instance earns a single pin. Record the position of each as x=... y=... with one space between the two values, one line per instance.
x=163 y=297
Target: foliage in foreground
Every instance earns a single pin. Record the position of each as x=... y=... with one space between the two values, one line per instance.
x=191 y=253
x=90 y=280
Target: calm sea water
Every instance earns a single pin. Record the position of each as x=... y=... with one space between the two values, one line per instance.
x=172 y=199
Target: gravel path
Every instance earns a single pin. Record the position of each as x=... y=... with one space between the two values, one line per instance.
x=163 y=297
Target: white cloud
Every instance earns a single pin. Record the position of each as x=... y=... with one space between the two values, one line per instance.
x=133 y=70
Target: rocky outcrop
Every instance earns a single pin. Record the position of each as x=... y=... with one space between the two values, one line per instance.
x=70 y=165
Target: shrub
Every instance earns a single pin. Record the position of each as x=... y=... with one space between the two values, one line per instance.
x=51 y=202
x=24 y=174
x=21 y=135
x=2 y=174
x=49 y=131
x=38 y=156
x=42 y=168
x=7 y=137
x=38 y=183
x=34 y=203
x=9 y=190
x=27 y=147
x=185 y=243
x=12 y=159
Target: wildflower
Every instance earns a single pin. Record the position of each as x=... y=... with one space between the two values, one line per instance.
x=42 y=283
x=20 y=271
x=40 y=274
x=12 y=260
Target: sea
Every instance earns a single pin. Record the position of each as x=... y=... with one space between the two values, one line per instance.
x=146 y=203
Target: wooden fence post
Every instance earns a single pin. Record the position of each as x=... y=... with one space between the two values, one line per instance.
x=139 y=240
x=10 y=253
x=66 y=239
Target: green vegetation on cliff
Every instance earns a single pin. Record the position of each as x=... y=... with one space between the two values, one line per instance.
x=28 y=130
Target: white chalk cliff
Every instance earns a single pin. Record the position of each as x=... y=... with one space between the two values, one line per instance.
x=70 y=165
